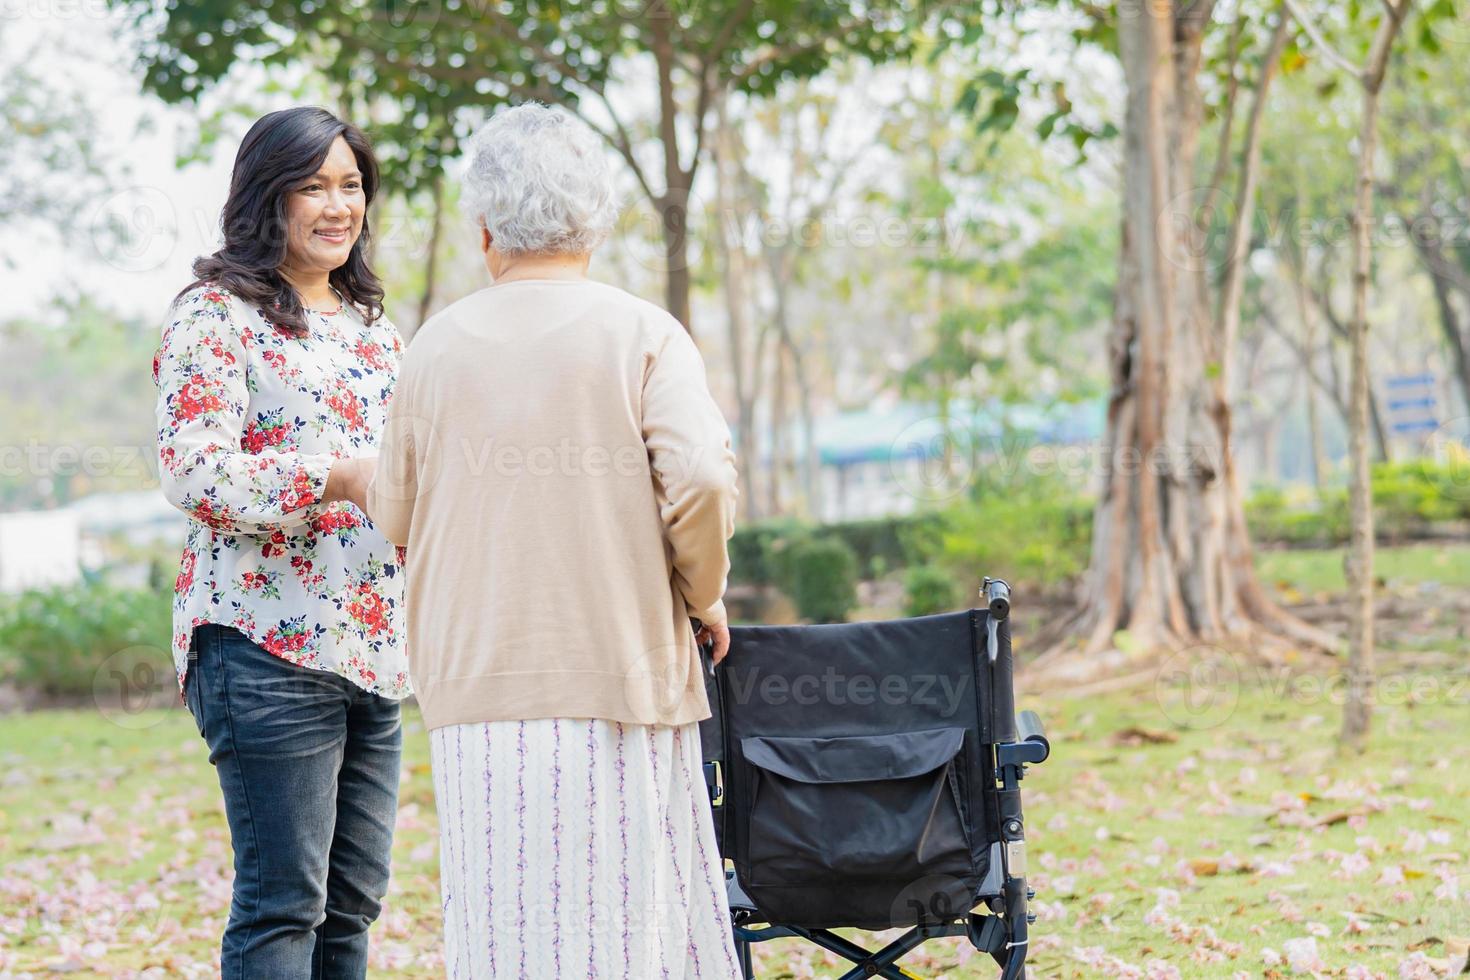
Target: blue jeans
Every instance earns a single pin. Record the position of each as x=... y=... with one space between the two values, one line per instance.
x=308 y=763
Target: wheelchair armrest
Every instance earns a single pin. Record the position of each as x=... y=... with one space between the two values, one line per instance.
x=1031 y=746
x=1028 y=729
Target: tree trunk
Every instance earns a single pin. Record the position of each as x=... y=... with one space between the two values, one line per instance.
x=673 y=210
x=1314 y=422
x=778 y=434
x=431 y=262
x=673 y=204
x=1439 y=269
x=1171 y=558
x=1358 y=709
x=778 y=261
x=733 y=263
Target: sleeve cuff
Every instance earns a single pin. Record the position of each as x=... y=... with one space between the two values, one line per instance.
x=712 y=615
x=311 y=477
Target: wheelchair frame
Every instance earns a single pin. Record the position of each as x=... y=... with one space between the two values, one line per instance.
x=998 y=925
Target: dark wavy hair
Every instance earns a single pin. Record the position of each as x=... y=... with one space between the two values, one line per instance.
x=278 y=154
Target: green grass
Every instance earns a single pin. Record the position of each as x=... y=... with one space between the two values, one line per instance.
x=98 y=817
x=1192 y=825
x=1321 y=570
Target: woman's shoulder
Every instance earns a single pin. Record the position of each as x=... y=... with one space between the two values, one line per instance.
x=205 y=297
x=653 y=325
x=208 y=300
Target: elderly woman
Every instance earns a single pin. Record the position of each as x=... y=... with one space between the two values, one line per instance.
x=564 y=484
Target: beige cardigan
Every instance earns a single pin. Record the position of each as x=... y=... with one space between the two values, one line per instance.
x=564 y=484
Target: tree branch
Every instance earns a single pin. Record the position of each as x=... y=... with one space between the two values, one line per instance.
x=721 y=41
x=1328 y=51
x=1304 y=357
x=1222 y=149
x=1388 y=29
x=773 y=54
x=1228 y=320
x=1193 y=18
x=620 y=142
x=701 y=110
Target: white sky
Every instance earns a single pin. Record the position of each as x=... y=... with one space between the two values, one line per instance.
x=173 y=211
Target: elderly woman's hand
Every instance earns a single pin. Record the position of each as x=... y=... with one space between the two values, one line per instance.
x=720 y=635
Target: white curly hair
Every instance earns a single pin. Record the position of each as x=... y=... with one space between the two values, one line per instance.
x=539 y=181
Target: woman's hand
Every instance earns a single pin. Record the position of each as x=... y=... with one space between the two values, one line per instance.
x=720 y=634
x=349 y=481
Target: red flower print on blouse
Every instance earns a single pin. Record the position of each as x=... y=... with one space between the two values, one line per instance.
x=371 y=352
x=196 y=398
x=185 y=580
x=367 y=608
x=287 y=638
x=340 y=522
x=217 y=516
x=300 y=493
x=348 y=408
x=268 y=431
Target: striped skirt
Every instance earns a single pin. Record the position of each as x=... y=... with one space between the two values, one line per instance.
x=574 y=847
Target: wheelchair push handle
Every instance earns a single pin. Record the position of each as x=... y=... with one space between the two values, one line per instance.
x=706 y=649
x=997 y=595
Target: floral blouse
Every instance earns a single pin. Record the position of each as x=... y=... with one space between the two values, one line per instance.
x=250 y=420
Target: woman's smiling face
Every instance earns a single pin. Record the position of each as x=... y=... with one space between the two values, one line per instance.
x=324 y=214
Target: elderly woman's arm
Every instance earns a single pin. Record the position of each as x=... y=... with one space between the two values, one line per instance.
x=689 y=449
x=394 y=487
x=203 y=399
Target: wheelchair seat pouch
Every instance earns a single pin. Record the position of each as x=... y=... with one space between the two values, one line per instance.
x=854 y=815
x=856 y=767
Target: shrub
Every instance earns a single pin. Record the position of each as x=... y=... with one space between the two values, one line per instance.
x=883 y=544
x=753 y=549
x=56 y=640
x=1029 y=541
x=879 y=545
x=1409 y=498
x=928 y=589
x=819 y=573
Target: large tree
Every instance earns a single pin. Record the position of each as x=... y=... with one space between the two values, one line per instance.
x=1171 y=557
x=430 y=60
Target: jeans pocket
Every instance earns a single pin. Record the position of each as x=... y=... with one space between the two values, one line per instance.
x=192 y=700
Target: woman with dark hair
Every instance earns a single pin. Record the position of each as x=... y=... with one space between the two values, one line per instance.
x=274 y=377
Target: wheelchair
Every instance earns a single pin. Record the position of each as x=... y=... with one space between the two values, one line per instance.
x=867 y=775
